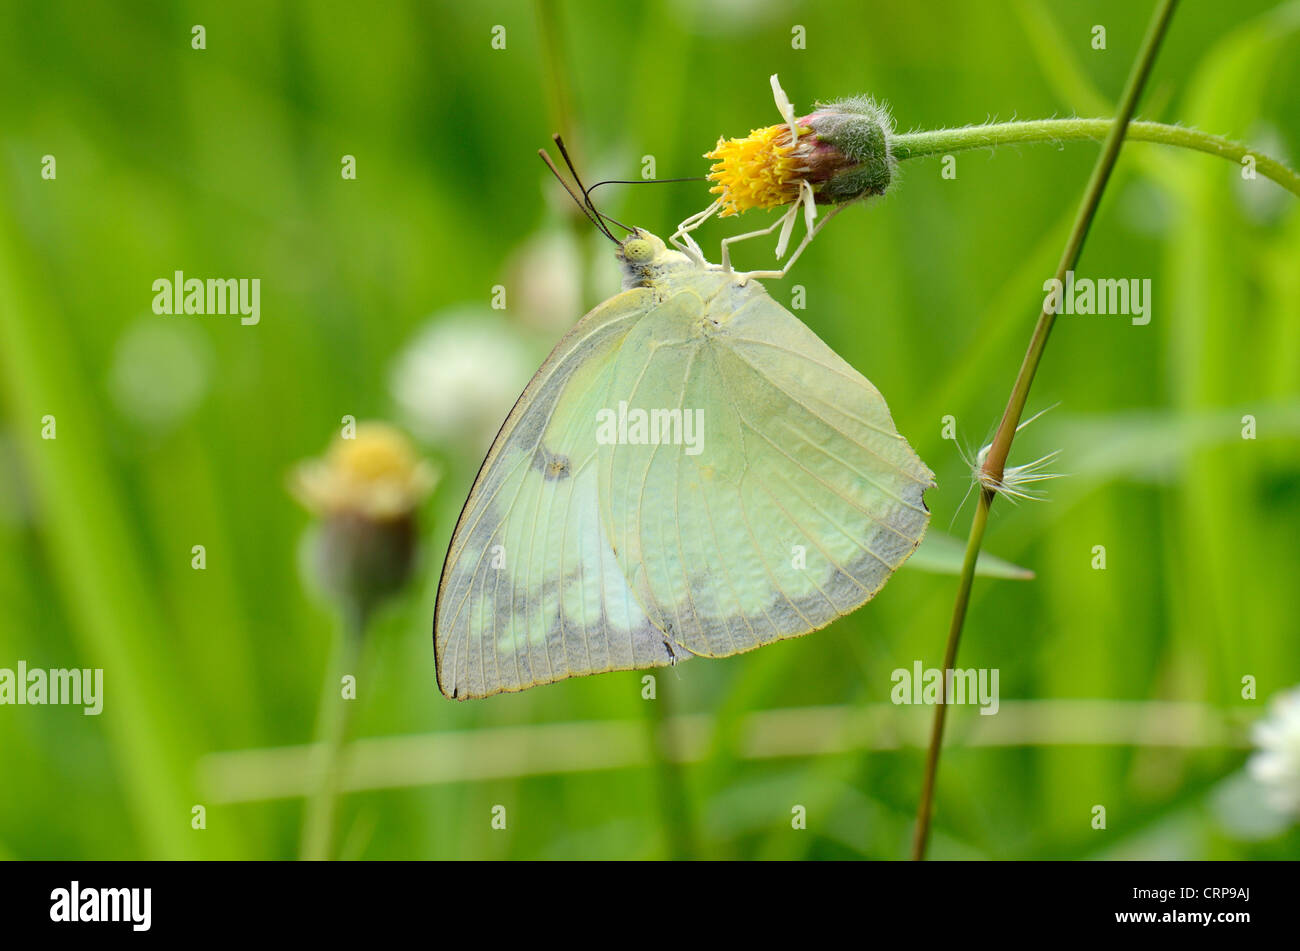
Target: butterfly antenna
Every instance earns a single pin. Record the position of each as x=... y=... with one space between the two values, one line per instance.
x=580 y=202
x=645 y=181
x=586 y=195
x=640 y=181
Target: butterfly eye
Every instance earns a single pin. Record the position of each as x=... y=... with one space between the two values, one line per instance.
x=638 y=250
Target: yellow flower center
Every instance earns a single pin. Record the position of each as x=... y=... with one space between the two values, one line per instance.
x=376 y=475
x=377 y=452
x=762 y=170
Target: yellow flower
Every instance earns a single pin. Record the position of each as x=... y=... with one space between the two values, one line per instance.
x=833 y=156
x=375 y=475
x=762 y=170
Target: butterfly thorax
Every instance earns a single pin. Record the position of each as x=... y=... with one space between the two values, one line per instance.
x=647 y=261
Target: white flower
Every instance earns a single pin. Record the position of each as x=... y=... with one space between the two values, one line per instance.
x=1276 y=763
x=546 y=278
x=458 y=379
x=160 y=373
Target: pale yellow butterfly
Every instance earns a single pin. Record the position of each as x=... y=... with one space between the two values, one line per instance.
x=692 y=471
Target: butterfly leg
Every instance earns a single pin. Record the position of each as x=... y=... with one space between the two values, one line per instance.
x=695 y=220
x=794 y=256
x=727 y=242
x=806 y=203
x=694 y=251
x=682 y=240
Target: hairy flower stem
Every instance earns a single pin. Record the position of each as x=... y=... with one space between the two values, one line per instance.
x=943 y=141
x=996 y=460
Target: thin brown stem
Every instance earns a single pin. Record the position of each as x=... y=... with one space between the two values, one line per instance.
x=978 y=524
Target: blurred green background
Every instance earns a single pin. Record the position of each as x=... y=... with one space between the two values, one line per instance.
x=1120 y=687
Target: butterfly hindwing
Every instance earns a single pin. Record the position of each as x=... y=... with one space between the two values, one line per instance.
x=797 y=498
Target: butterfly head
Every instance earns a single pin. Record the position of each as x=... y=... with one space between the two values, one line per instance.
x=646 y=259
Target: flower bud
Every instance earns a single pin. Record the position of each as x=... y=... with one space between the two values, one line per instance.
x=365 y=491
x=849 y=156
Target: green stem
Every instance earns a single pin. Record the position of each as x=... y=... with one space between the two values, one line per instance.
x=943 y=141
x=995 y=461
x=556 y=63
x=675 y=811
x=333 y=720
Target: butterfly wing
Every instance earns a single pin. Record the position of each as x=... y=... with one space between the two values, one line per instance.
x=798 y=498
x=531 y=591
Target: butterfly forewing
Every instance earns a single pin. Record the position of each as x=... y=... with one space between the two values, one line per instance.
x=531 y=591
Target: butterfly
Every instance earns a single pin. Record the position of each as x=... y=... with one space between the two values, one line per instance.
x=692 y=472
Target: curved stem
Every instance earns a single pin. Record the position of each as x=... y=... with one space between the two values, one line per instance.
x=942 y=141
x=991 y=472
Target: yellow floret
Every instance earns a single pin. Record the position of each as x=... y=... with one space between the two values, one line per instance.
x=762 y=170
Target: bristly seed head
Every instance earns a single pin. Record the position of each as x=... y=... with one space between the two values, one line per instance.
x=1015 y=480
